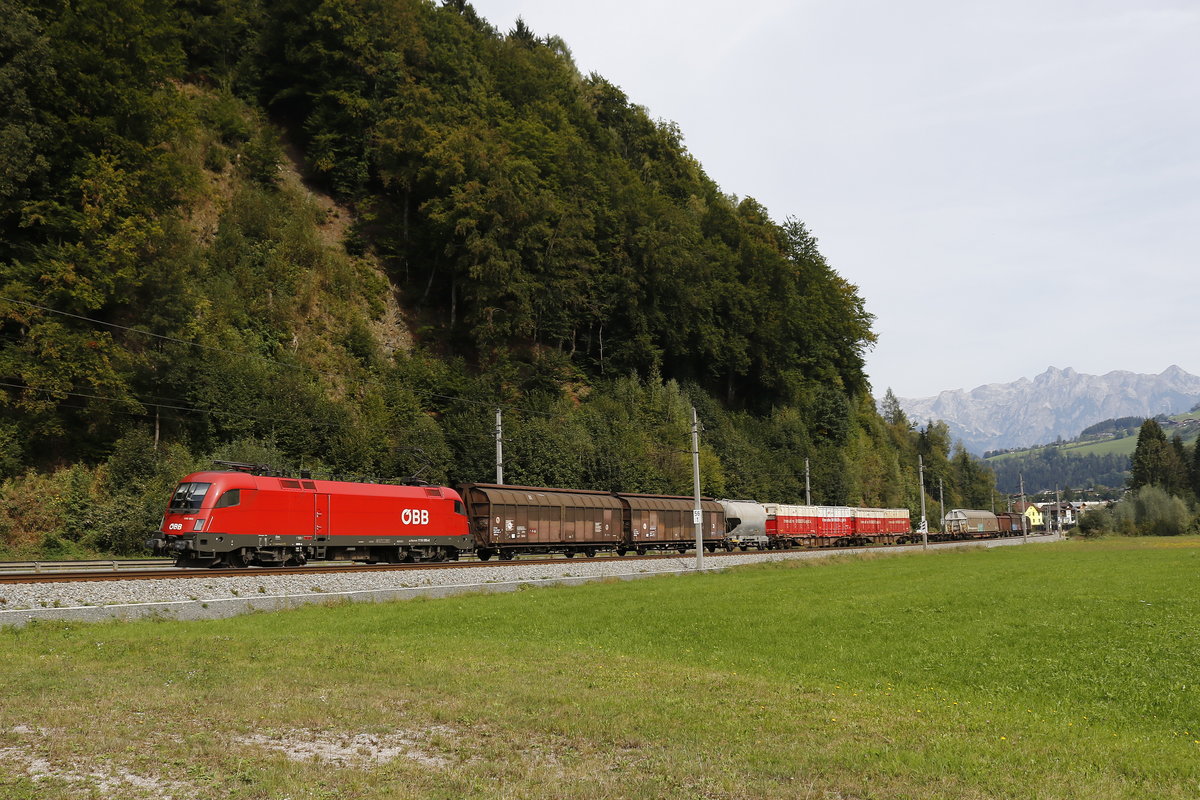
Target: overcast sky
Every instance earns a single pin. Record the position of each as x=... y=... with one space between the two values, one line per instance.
x=1011 y=185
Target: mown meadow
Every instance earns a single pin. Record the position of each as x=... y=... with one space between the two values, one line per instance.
x=1049 y=671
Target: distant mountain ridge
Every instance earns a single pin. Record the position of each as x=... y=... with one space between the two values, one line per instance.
x=1059 y=402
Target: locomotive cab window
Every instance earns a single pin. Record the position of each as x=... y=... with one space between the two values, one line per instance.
x=459 y=508
x=231 y=498
x=188 y=497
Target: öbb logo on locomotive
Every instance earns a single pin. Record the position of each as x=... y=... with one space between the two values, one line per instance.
x=243 y=515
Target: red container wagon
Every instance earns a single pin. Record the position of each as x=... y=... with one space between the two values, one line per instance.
x=791 y=526
x=810 y=526
x=868 y=524
x=509 y=520
x=666 y=522
x=881 y=525
x=237 y=518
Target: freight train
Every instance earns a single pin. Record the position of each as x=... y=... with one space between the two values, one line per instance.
x=243 y=516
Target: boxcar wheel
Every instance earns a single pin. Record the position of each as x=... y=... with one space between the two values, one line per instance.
x=569 y=554
x=590 y=552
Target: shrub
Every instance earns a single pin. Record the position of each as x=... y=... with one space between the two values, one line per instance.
x=1097 y=522
x=1151 y=511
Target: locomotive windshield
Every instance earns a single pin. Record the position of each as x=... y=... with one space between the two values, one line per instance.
x=188 y=497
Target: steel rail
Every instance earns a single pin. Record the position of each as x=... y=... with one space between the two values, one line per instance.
x=108 y=565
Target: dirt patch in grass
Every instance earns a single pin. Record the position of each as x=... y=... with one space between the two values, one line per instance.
x=354 y=749
x=28 y=757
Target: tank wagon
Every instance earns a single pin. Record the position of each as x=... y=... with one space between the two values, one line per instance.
x=745 y=524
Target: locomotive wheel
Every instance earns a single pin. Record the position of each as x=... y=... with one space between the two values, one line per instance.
x=235 y=559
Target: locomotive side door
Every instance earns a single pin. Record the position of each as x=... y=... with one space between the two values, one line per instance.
x=321 y=519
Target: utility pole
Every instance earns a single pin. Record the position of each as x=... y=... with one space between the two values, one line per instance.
x=942 y=505
x=499 y=448
x=1058 y=510
x=921 y=490
x=697 y=512
x=1024 y=508
x=807 y=488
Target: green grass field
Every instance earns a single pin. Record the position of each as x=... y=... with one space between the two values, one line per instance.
x=1038 y=671
x=1123 y=446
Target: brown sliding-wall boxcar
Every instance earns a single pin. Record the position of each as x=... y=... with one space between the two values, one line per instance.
x=663 y=522
x=1009 y=523
x=507 y=520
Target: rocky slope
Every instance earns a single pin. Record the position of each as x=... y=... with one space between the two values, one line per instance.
x=1059 y=402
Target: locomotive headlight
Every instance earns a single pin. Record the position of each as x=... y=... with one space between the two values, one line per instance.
x=199 y=526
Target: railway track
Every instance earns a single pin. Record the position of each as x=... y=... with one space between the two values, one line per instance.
x=63 y=573
x=159 y=569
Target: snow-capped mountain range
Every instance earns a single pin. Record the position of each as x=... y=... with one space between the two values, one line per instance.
x=1059 y=402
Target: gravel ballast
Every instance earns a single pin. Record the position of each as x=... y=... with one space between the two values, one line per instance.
x=259 y=590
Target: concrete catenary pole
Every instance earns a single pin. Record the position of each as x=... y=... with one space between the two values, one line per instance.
x=942 y=505
x=499 y=448
x=1024 y=508
x=807 y=488
x=697 y=512
x=921 y=491
x=1058 y=510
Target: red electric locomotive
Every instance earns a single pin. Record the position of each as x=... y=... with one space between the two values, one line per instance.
x=238 y=517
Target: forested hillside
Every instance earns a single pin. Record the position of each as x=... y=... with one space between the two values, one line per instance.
x=339 y=235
